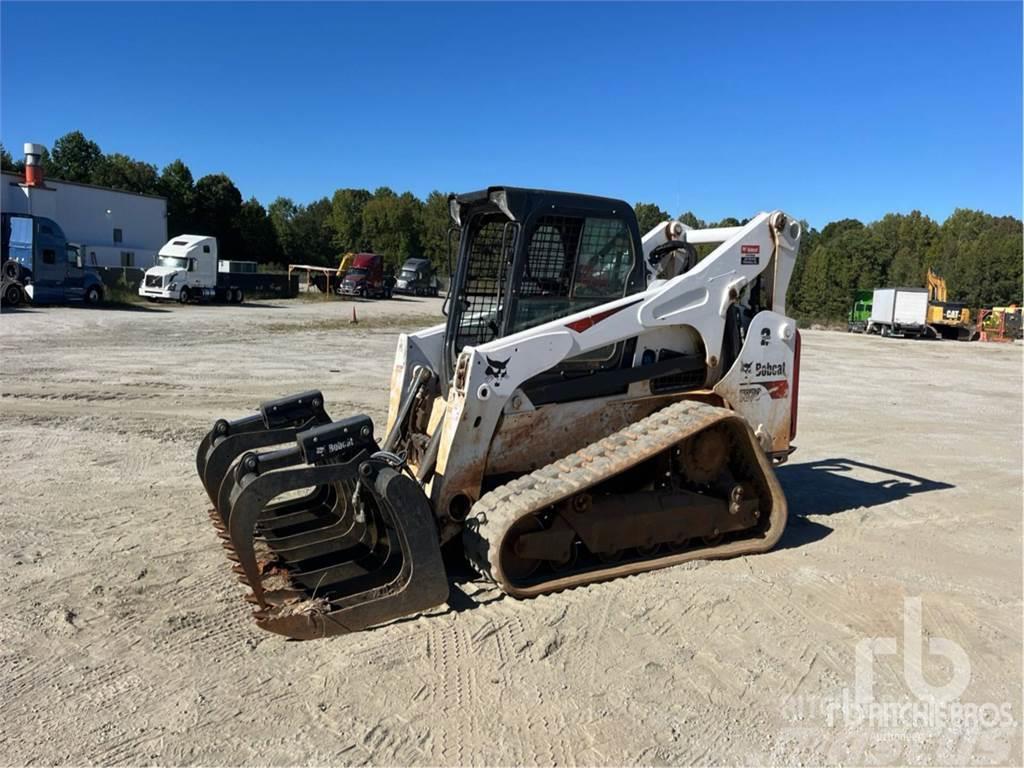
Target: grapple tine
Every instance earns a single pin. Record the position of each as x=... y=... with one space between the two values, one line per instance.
x=321 y=568
x=277 y=422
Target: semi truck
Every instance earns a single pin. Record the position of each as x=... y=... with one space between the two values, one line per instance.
x=417 y=278
x=187 y=270
x=365 y=277
x=860 y=312
x=40 y=265
x=899 y=312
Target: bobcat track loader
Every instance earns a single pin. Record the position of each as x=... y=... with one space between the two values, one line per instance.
x=596 y=404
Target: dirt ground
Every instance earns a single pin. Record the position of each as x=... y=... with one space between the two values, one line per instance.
x=124 y=638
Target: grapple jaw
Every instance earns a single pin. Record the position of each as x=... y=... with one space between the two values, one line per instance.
x=276 y=423
x=328 y=534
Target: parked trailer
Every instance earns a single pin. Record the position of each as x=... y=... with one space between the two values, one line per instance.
x=38 y=264
x=187 y=269
x=899 y=312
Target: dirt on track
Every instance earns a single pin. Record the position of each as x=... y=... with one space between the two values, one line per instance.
x=124 y=638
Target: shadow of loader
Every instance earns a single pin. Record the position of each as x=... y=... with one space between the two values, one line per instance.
x=834 y=486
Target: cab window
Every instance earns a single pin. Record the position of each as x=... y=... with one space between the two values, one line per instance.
x=572 y=263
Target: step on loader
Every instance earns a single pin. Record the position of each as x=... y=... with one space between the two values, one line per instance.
x=597 y=403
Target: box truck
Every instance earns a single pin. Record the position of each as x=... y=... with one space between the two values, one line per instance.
x=187 y=269
x=899 y=312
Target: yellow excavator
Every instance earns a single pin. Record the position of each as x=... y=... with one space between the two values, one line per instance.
x=947 y=319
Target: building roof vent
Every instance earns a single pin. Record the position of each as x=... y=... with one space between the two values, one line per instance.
x=34 y=164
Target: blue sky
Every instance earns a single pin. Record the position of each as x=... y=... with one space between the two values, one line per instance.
x=823 y=110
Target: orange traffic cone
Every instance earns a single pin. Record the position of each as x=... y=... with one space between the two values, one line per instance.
x=354 y=319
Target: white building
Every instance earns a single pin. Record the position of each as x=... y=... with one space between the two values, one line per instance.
x=113 y=228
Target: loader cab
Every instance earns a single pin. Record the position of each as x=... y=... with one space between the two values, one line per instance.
x=527 y=257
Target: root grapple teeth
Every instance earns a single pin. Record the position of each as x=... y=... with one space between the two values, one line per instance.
x=311 y=565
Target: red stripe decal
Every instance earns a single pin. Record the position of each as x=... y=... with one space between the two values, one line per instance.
x=777 y=390
x=589 y=322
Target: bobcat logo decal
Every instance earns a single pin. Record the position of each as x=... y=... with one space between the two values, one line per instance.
x=747 y=366
x=497 y=368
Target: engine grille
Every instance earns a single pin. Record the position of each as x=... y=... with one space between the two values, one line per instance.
x=154 y=281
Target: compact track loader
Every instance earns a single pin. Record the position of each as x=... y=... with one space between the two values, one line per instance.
x=596 y=404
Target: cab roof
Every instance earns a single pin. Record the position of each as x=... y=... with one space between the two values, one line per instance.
x=519 y=202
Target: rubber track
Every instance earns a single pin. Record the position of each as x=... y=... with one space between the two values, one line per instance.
x=496 y=511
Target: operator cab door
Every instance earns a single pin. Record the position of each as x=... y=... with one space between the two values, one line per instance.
x=561 y=260
x=574 y=261
x=49 y=272
x=74 y=279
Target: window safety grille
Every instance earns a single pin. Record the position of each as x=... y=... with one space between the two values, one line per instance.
x=490 y=251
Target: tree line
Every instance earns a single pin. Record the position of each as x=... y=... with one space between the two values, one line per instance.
x=980 y=255
x=397 y=225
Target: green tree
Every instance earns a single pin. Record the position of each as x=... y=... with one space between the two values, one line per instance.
x=176 y=184
x=312 y=235
x=808 y=242
x=980 y=257
x=435 y=221
x=257 y=233
x=846 y=256
x=648 y=216
x=690 y=219
x=391 y=225
x=7 y=163
x=906 y=240
x=74 y=158
x=218 y=206
x=347 y=218
x=282 y=216
x=122 y=172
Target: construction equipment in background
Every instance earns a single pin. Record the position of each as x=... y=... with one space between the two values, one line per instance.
x=860 y=312
x=1000 y=324
x=947 y=319
x=899 y=312
x=581 y=414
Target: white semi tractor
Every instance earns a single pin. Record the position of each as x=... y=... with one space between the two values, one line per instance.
x=899 y=312
x=187 y=269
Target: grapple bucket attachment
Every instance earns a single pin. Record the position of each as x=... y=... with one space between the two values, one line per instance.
x=277 y=423
x=329 y=535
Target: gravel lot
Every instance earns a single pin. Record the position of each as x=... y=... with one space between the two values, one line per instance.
x=124 y=638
